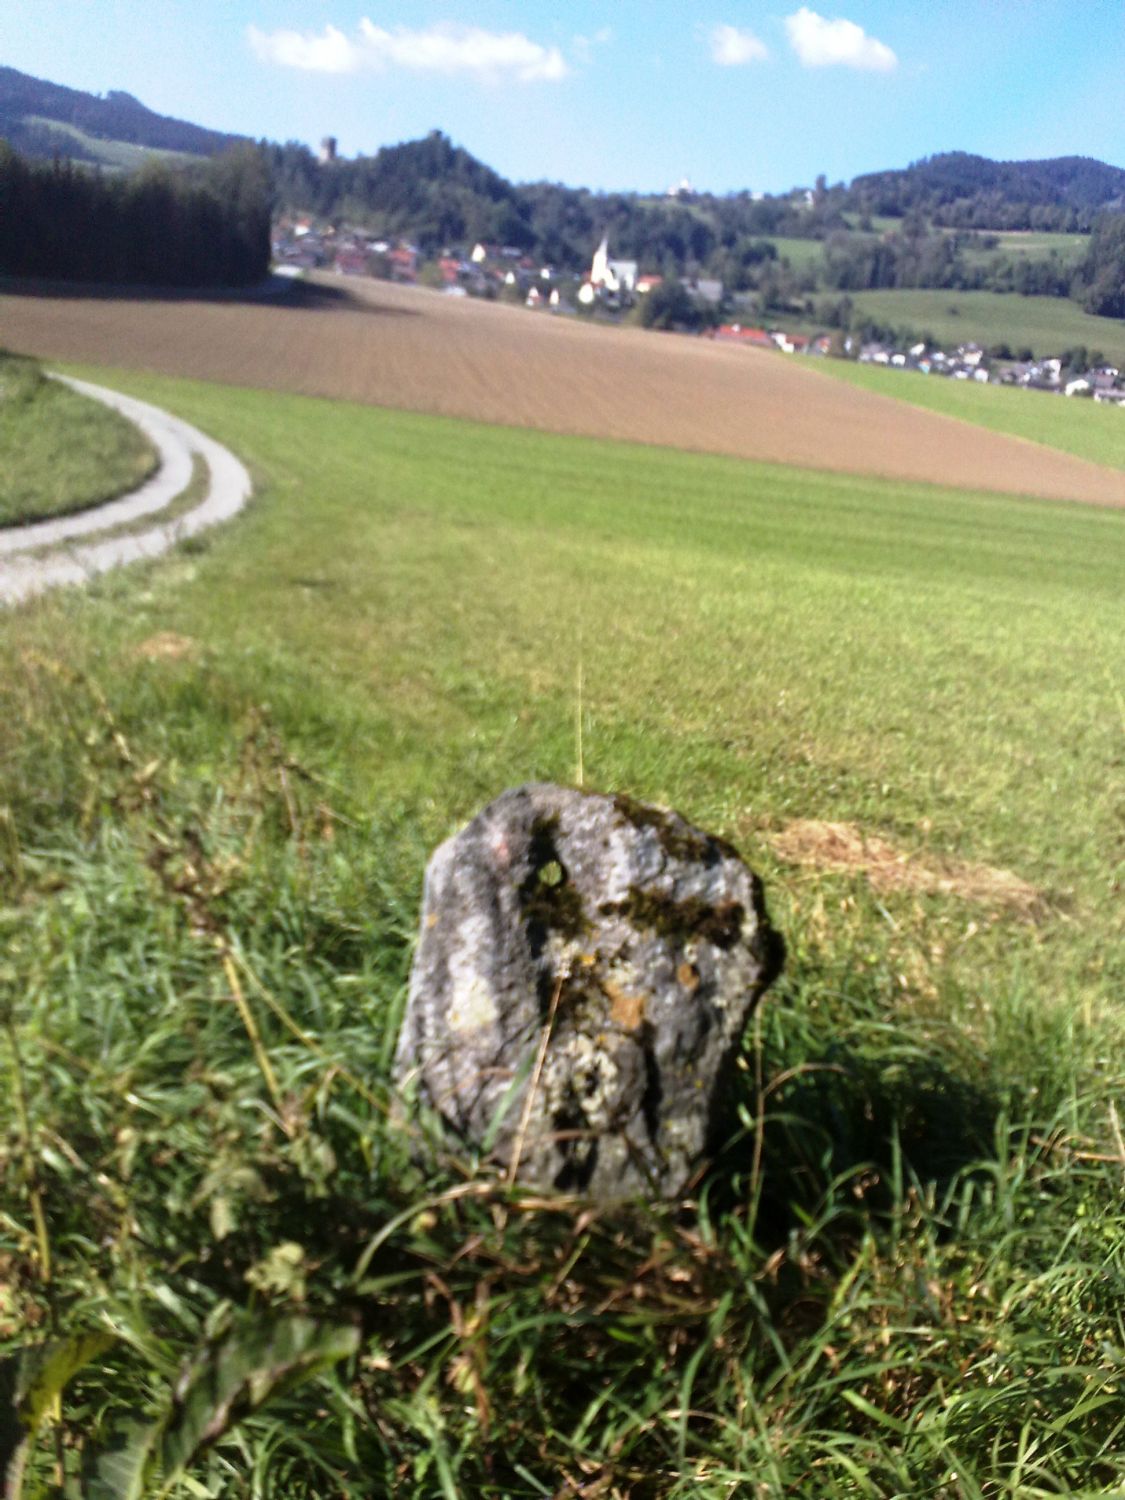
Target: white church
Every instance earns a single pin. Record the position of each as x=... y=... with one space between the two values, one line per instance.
x=608 y=278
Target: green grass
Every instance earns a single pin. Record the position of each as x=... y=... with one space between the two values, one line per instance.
x=880 y=223
x=1048 y=325
x=1039 y=245
x=62 y=451
x=799 y=253
x=122 y=156
x=1084 y=428
x=905 y=1278
x=1032 y=241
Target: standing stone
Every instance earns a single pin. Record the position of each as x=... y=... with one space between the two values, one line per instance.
x=585 y=971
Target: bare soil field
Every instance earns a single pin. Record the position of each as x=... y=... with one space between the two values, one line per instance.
x=418 y=350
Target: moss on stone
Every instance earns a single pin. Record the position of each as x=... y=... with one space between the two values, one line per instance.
x=676 y=837
x=549 y=901
x=680 y=921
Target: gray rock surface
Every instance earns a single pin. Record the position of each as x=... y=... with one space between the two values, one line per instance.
x=585 y=970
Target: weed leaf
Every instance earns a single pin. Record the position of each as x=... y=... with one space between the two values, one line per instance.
x=30 y=1385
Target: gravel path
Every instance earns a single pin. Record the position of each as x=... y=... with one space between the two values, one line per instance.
x=56 y=560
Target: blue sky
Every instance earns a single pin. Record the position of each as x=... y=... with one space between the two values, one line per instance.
x=731 y=94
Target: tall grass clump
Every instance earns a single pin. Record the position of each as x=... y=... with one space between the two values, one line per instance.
x=223 y=1272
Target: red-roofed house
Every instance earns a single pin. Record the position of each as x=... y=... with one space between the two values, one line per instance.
x=734 y=333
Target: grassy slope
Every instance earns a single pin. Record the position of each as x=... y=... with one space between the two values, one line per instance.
x=1080 y=427
x=1037 y=242
x=403 y=615
x=122 y=156
x=1032 y=244
x=1048 y=325
x=799 y=253
x=62 y=451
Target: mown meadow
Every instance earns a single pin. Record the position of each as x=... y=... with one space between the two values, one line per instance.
x=1047 y=325
x=220 y=778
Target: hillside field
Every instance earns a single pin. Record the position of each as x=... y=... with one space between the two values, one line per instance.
x=1048 y=325
x=1026 y=244
x=220 y=778
x=1087 y=429
x=1035 y=244
x=414 y=349
x=114 y=156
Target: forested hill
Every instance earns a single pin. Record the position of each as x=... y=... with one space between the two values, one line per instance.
x=428 y=188
x=439 y=194
x=971 y=192
x=28 y=106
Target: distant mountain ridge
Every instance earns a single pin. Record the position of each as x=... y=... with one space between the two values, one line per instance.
x=955 y=187
x=28 y=105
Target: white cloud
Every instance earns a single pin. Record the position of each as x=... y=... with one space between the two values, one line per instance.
x=330 y=53
x=731 y=48
x=819 y=43
x=444 y=48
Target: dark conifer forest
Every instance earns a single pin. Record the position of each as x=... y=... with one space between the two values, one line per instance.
x=205 y=224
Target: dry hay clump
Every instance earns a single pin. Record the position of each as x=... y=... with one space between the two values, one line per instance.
x=842 y=848
x=166 y=645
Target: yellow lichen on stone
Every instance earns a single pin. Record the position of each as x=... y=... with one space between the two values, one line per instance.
x=474 y=1005
x=625 y=1010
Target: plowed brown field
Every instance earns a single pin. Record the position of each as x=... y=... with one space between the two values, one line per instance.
x=404 y=347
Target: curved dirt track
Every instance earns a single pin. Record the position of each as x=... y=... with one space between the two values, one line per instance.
x=417 y=350
x=44 y=555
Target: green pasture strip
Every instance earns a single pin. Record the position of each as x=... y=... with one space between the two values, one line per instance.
x=1021 y=240
x=114 y=155
x=1031 y=245
x=61 y=452
x=1048 y=325
x=880 y=223
x=1082 y=427
x=235 y=761
x=799 y=253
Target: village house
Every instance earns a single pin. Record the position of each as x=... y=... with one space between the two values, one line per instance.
x=351 y=261
x=735 y=333
x=403 y=263
x=703 y=289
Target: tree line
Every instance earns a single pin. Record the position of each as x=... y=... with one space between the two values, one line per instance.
x=958 y=190
x=917 y=256
x=204 y=224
